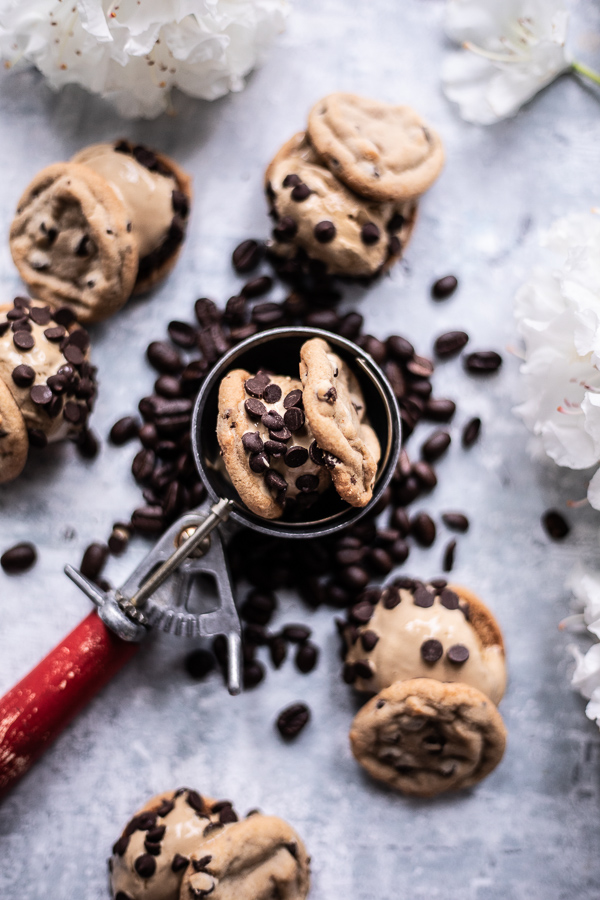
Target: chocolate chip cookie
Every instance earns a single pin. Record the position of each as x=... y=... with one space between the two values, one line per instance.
x=335 y=408
x=379 y=150
x=424 y=737
x=14 y=444
x=317 y=214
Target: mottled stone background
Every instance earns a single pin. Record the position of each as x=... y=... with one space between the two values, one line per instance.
x=532 y=829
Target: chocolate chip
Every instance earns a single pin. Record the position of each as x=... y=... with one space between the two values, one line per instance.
x=196 y=801
x=423 y=598
x=21 y=325
x=483 y=361
x=330 y=395
x=293 y=399
x=369 y=639
x=18 y=558
x=164 y=358
x=362 y=612
x=37 y=438
x=294 y=419
x=307 y=656
x=23 y=376
x=391 y=598
x=370 y=233
x=291 y=180
x=58 y=384
x=300 y=192
x=200 y=865
x=307 y=483
x=124 y=430
x=456 y=521
x=23 y=340
x=276 y=483
x=316 y=454
x=431 y=650
x=449 y=599
x=292 y=720
x=179 y=863
x=256 y=386
x=257 y=287
x=362 y=669
x=121 y=845
x=349 y=673
x=423 y=529
x=450 y=343
x=40 y=394
x=252 y=442
x=272 y=420
x=145 y=865
x=282 y=435
x=199 y=663
x=74 y=355
x=458 y=654
x=443 y=287
x=555 y=525
x=324 y=231
x=285 y=229
x=145 y=157
x=272 y=393
x=227 y=815
x=396 y=223
x=41 y=315
x=165 y=808
x=259 y=462
x=255 y=409
x=274 y=448
x=471 y=432
x=435 y=445
x=296 y=456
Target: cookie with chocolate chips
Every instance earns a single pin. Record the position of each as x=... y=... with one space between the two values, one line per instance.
x=317 y=214
x=379 y=150
x=157 y=195
x=265 y=441
x=14 y=444
x=44 y=362
x=335 y=407
x=72 y=243
x=424 y=737
x=256 y=859
x=150 y=857
x=426 y=631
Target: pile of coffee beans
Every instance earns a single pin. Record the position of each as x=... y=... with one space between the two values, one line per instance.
x=335 y=570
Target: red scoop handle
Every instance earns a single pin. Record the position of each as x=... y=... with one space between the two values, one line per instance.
x=35 y=711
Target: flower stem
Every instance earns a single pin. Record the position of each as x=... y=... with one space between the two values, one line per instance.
x=586 y=71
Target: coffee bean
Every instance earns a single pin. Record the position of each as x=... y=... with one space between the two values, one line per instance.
x=374 y=347
x=94 y=560
x=555 y=525
x=255 y=409
x=471 y=431
x=399 y=348
x=324 y=231
x=258 y=607
x=277 y=650
x=272 y=393
x=307 y=656
x=294 y=419
x=292 y=720
x=124 y=430
x=119 y=539
x=408 y=491
x=300 y=192
x=351 y=325
x=456 y=521
x=143 y=464
x=425 y=474
x=380 y=560
x=423 y=529
x=450 y=343
x=148 y=520
x=444 y=287
x=393 y=373
x=420 y=366
x=483 y=361
x=439 y=410
x=207 y=312
x=23 y=376
x=253 y=674
x=399 y=551
x=431 y=650
x=268 y=315
x=18 y=558
x=458 y=654
x=199 y=663
x=399 y=520
x=252 y=442
x=296 y=633
x=246 y=256
x=370 y=233
x=296 y=456
x=182 y=334
x=423 y=598
x=435 y=445
x=448 y=559
x=285 y=229
x=164 y=358
x=257 y=287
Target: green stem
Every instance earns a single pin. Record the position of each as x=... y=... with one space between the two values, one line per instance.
x=586 y=71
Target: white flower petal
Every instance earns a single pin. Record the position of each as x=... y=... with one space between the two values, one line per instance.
x=586 y=677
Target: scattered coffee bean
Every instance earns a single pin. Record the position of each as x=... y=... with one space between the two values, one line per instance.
x=431 y=650
x=182 y=334
x=555 y=525
x=164 y=358
x=119 y=538
x=423 y=529
x=296 y=634
x=435 y=445
x=448 y=560
x=18 y=558
x=425 y=474
x=292 y=720
x=199 y=663
x=471 y=431
x=458 y=654
x=246 y=256
x=483 y=361
x=277 y=650
x=257 y=287
x=258 y=607
x=456 y=521
x=307 y=656
x=444 y=287
x=254 y=673
x=93 y=560
x=124 y=430
x=440 y=410
x=450 y=343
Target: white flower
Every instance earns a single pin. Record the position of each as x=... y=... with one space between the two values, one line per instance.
x=586 y=677
x=135 y=51
x=558 y=315
x=511 y=50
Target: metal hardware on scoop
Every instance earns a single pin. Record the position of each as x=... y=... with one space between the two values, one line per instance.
x=168 y=589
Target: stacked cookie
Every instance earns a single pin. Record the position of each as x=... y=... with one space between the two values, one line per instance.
x=344 y=194
x=47 y=384
x=435 y=656
x=285 y=440
x=182 y=845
